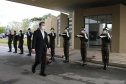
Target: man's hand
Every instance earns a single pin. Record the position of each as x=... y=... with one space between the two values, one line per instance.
x=33 y=51
x=50 y=50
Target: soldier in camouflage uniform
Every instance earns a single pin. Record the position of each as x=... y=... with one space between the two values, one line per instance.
x=83 y=46
x=21 y=37
x=10 y=38
x=105 y=37
x=29 y=35
x=15 y=39
x=52 y=36
x=66 y=36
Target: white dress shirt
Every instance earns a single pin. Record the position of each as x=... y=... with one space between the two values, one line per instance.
x=43 y=34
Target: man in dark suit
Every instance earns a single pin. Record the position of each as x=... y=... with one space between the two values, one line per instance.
x=29 y=35
x=52 y=37
x=39 y=43
x=15 y=39
x=10 y=38
x=21 y=37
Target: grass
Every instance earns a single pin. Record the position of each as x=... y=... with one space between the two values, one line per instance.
x=5 y=41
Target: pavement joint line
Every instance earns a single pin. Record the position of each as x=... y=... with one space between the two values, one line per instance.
x=92 y=61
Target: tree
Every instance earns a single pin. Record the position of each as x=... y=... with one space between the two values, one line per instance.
x=2 y=30
x=25 y=24
x=41 y=18
x=59 y=15
x=35 y=25
x=15 y=26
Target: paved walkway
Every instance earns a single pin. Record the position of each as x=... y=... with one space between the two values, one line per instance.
x=16 y=69
x=93 y=55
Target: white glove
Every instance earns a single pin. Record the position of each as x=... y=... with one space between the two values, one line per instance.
x=67 y=34
x=86 y=36
x=63 y=34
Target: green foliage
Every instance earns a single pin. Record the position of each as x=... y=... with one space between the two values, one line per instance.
x=25 y=24
x=2 y=30
x=15 y=26
x=59 y=15
x=41 y=18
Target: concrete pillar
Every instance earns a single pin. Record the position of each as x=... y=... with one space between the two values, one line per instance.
x=54 y=25
x=122 y=40
x=63 y=24
x=48 y=24
x=77 y=24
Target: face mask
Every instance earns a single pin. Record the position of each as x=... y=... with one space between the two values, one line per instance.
x=65 y=30
x=105 y=32
x=82 y=31
x=52 y=30
x=43 y=27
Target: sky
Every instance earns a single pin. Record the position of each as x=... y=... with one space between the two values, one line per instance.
x=12 y=11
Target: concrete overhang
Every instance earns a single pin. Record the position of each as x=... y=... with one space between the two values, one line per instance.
x=69 y=5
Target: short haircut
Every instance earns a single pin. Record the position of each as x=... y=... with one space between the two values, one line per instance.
x=41 y=23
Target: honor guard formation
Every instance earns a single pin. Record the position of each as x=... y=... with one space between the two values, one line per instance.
x=39 y=45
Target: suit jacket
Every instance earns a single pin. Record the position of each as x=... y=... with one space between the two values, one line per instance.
x=39 y=44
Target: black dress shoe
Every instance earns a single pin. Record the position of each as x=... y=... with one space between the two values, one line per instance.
x=83 y=64
x=49 y=62
x=14 y=52
x=65 y=61
x=33 y=69
x=28 y=54
x=20 y=53
x=9 y=51
x=104 y=67
x=43 y=74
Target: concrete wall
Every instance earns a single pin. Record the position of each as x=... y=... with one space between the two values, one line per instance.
x=54 y=25
x=115 y=11
x=63 y=24
x=122 y=39
x=49 y=23
x=77 y=24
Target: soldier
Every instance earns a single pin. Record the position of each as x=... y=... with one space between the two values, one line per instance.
x=21 y=37
x=66 y=36
x=15 y=39
x=29 y=35
x=10 y=38
x=83 y=47
x=105 y=37
x=52 y=36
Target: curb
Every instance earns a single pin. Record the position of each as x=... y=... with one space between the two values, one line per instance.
x=110 y=64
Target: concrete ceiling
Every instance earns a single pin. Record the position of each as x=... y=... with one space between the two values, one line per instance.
x=69 y=5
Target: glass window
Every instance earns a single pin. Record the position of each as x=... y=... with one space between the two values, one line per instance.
x=109 y=19
x=86 y=19
x=102 y=19
x=93 y=19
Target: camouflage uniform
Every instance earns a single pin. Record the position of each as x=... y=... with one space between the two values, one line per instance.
x=15 y=39
x=83 y=46
x=10 y=38
x=104 y=49
x=29 y=42
x=52 y=43
x=66 y=45
x=21 y=37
